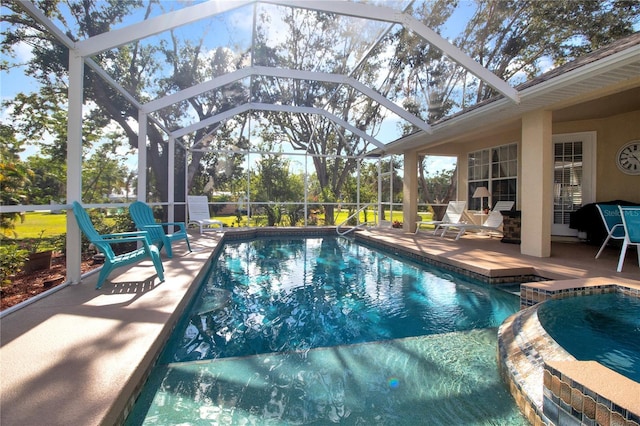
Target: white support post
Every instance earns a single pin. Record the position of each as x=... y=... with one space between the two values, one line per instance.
x=391 y=188
x=186 y=184
x=142 y=156
x=410 y=192
x=171 y=180
x=358 y=190
x=74 y=164
x=380 y=208
x=248 y=190
x=306 y=188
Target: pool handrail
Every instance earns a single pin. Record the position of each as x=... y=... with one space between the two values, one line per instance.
x=359 y=225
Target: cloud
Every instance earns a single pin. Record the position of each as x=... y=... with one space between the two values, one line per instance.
x=23 y=52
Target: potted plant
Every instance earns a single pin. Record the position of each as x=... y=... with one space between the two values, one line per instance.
x=39 y=255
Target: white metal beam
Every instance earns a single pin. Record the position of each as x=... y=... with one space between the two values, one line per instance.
x=346 y=8
x=462 y=58
x=37 y=14
x=125 y=93
x=284 y=73
x=276 y=108
x=191 y=14
x=159 y=24
x=211 y=120
x=106 y=77
x=171 y=178
x=385 y=14
x=342 y=79
x=142 y=156
x=196 y=90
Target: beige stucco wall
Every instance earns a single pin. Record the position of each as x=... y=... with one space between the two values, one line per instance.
x=612 y=133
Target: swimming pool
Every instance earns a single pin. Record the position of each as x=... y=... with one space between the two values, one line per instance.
x=304 y=330
x=602 y=327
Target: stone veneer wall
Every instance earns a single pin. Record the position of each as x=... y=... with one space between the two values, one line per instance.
x=532 y=294
x=240 y=234
x=526 y=351
x=571 y=396
x=523 y=345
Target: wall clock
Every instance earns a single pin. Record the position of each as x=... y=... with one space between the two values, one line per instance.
x=628 y=158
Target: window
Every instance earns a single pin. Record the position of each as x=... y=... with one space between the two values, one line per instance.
x=495 y=168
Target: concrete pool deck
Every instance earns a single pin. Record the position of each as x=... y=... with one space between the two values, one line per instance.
x=78 y=355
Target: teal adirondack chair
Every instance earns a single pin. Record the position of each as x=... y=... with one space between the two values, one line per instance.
x=104 y=242
x=142 y=216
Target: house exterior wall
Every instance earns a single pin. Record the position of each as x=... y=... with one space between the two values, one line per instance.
x=612 y=133
x=611 y=183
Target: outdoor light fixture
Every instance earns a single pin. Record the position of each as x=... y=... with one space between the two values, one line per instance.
x=481 y=192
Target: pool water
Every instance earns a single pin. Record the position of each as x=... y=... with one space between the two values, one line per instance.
x=603 y=328
x=325 y=330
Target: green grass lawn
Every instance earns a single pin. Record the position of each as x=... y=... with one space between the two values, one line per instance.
x=55 y=224
x=36 y=222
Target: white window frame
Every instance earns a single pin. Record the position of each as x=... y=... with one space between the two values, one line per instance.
x=480 y=172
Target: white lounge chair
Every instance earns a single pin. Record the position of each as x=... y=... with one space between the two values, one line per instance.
x=493 y=222
x=453 y=214
x=199 y=212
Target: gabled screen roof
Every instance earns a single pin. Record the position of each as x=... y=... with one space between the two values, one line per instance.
x=373 y=68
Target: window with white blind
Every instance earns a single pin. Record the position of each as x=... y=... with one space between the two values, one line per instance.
x=496 y=169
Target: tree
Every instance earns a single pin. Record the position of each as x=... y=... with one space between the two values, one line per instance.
x=15 y=177
x=511 y=38
x=313 y=35
x=135 y=66
x=49 y=180
x=419 y=73
x=104 y=175
x=191 y=65
x=438 y=187
x=273 y=184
